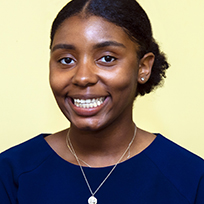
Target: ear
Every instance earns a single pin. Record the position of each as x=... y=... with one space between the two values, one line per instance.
x=145 y=67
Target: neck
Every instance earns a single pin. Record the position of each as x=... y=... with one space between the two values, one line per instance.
x=102 y=147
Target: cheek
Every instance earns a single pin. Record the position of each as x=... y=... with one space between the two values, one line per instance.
x=57 y=82
x=54 y=83
x=54 y=77
x=122 y=79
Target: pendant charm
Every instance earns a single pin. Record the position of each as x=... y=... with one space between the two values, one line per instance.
x=92 y=200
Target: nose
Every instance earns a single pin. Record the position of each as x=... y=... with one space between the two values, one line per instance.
x=85 y=75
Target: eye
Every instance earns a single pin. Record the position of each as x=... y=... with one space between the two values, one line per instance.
x=67 y=61
x=107 y=59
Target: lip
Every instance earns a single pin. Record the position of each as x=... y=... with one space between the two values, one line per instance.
x=86 y=111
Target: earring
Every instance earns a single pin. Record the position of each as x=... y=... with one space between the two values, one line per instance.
x=142 y=79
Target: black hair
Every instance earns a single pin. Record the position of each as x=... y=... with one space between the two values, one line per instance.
x=129 y=15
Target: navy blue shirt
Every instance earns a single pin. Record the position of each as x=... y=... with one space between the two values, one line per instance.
x=164 y=173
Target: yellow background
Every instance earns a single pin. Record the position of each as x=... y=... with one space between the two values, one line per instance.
x=28 y=107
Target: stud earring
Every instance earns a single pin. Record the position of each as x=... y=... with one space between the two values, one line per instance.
x=142 y=79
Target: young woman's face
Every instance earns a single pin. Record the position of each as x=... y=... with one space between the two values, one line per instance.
x=93 y=72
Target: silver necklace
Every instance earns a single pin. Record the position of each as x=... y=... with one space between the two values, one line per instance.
x=71 y=150
x=68 y=141
x=92 y=199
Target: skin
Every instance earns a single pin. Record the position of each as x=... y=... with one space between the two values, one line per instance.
x=93 y=58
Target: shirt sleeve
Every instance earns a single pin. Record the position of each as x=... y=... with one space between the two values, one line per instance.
x=3 y=194
x=200 y=192
x=8 y=188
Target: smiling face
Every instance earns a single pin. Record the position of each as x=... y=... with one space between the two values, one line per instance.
x=93 y=72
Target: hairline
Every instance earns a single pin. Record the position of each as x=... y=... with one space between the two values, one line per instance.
x=84 y=14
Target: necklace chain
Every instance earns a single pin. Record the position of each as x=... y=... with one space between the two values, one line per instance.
x=71 y=148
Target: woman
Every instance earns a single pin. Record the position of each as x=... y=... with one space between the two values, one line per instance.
x=103 y=55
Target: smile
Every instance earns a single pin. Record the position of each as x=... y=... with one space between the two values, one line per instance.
x=89 y=103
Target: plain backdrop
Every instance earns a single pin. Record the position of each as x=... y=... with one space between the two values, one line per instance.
x=27 y=107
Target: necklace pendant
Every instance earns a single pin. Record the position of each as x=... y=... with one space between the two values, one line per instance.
x=92 y=200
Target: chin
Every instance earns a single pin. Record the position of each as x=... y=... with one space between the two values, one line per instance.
x=87 y=125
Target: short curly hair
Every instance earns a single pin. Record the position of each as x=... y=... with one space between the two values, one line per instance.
x=129 y=15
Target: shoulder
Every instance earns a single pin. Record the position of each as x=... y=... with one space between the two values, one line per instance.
x=164 y=151
x=19 y=160
x=181 y=167
x=25 y=156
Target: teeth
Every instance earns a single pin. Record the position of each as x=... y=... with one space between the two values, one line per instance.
x=89 y=103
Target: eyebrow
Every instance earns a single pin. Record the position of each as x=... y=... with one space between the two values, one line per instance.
x=107 y=44
x=97 y=46
x=63 y=46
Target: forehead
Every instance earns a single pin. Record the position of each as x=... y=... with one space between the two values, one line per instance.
x=93 y=29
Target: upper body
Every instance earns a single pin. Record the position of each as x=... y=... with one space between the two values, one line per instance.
x=162 y=173
x=102 y=56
